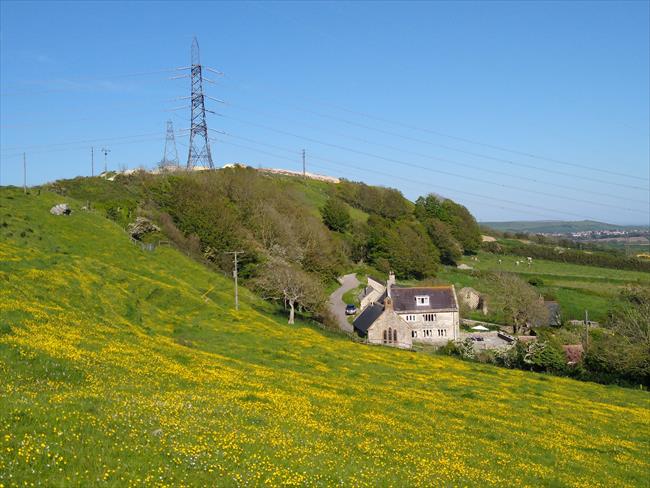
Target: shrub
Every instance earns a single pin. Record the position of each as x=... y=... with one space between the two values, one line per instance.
x=336 y=215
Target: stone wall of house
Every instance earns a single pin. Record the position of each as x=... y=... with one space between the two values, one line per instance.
x=389 y=320
x=445 y=327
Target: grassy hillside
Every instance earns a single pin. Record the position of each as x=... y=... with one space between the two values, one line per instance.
x=126 y=367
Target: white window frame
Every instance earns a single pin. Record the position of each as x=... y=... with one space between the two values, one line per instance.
x=414 y=334
x=410 y=318
x=422 y=300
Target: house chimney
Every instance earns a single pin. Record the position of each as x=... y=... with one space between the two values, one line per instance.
x=388 y=304
x=390 y=282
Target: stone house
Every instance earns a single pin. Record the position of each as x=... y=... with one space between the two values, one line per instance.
x=374 y=292
x=408 y=315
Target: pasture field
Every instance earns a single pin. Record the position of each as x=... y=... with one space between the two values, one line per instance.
x=575 y=287
x=123 y=367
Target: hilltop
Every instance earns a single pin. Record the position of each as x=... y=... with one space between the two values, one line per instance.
x=123 y=364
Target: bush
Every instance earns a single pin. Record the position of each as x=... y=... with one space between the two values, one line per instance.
x=336 y=215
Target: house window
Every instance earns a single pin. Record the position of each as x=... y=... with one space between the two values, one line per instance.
x=427 y=332
x=422 y=300
x=410 y=318
x=430 y=317
x=384 y=337
x=414 y=334
x=395 y=336
x=442 y=332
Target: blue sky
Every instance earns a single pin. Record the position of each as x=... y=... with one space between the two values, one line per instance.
x=519 y=110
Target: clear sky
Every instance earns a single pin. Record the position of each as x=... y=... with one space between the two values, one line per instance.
x=519 y=110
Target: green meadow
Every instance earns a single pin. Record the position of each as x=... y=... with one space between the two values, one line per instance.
x=575 y=287
x=126 y=367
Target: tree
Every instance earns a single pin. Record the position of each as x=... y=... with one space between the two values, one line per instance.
x=623 y=349
x=440 y=234
x=521 y=303
x=336 y=215
x=461 y=223
x=281 y=281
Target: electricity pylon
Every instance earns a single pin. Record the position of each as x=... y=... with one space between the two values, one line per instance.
x=170 y=158
x=199 y=153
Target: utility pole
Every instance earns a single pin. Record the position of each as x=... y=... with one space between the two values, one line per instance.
x=586 y=330
x=105 y=151
x=92 y=161
x=234 y=274
x=303 y=164
x=24 y=173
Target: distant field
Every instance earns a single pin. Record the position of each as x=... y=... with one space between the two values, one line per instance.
x=555 y=226
x=124 y=367
x=576 y=287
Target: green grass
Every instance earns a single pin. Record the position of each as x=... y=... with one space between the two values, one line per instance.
x=576 y=287
x=125 y=367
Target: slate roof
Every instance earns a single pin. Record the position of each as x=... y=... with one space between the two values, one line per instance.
x=381 y=282
x=440 y=298
x=371 y=313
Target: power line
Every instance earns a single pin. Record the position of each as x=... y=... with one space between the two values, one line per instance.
x=79 y=80
x=463 y=151
x=441 y=133
x=464 y=164
x=365 y=172
x=425 y=168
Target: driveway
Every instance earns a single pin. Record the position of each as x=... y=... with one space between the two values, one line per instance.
x=336 y=304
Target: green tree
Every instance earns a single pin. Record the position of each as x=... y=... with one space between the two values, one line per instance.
x=462 y=225
x=336 y=215
x=521 y=302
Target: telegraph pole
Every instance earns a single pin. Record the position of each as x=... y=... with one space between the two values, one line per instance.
x=92 y=161
x=303 y=164
x=24 y=174
x=105 y=151
x=234 y=274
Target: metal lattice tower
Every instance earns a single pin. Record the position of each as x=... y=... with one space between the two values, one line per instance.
x=199 y=153
x=171 y=154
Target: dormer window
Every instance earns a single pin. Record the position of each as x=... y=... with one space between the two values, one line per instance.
x=422 y=300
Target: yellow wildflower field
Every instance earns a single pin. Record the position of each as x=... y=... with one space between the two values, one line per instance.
x=122 y=367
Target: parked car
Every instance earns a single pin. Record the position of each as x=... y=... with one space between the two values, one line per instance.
x=350 y=309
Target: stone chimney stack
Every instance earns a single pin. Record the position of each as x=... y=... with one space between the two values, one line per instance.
x=390 y=282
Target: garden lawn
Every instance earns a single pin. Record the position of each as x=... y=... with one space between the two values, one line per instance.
x=124 y=367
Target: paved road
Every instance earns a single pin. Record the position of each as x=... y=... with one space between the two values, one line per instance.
x=336 y=304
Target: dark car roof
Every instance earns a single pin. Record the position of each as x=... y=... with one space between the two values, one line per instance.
x=440 y=298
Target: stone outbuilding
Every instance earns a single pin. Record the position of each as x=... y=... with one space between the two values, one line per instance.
x=473 y=299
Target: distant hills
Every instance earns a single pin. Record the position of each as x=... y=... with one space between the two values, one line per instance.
x=555 y=226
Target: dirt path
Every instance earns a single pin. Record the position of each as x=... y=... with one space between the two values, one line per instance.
x=336 y=304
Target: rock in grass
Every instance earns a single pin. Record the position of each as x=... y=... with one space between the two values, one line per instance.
x=61 y=209
x=140 y=227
